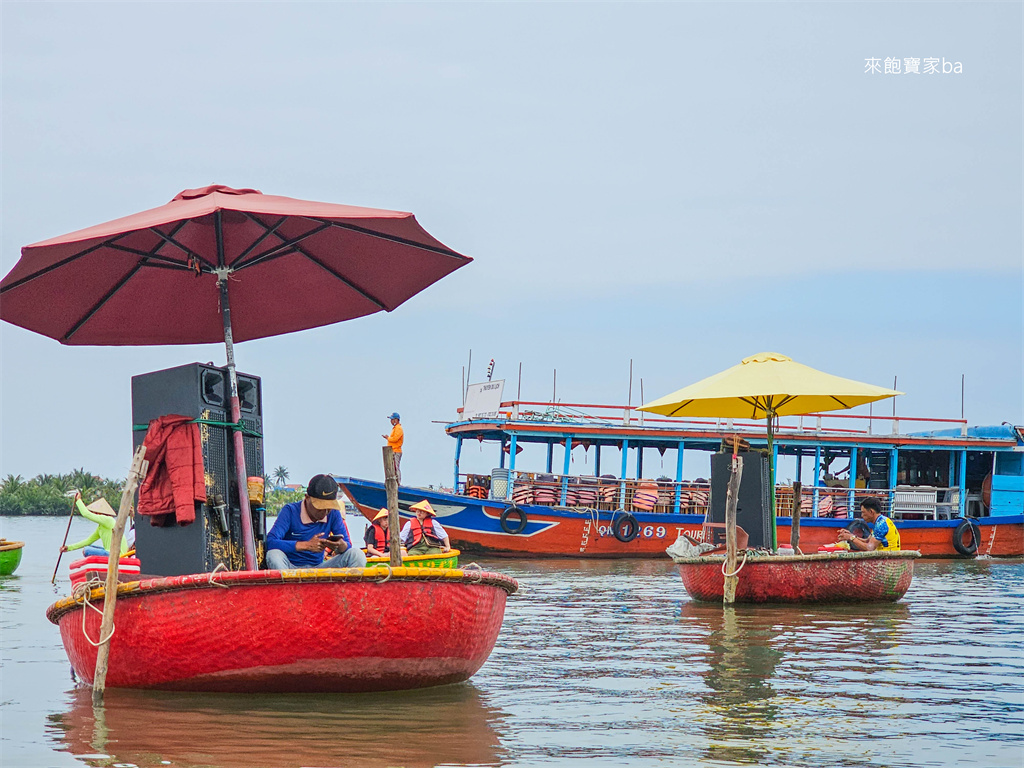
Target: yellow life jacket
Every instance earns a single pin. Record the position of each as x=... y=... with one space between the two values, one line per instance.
x=892 y=536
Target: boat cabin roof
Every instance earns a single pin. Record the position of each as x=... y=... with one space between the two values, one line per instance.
x=551 y=423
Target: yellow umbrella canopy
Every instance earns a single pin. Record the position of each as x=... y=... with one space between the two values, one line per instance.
x=767 y=384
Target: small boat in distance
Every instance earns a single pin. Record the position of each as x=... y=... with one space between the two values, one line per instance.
x=832 y=577
x=10 y=556
x=953 y=490
x=445 y=560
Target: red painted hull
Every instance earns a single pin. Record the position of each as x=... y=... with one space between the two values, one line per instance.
x=824 y=578
x=574 y=537
x=297 y=631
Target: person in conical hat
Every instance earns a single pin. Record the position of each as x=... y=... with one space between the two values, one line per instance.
x=424 y=535
x=101 y=513
x=378 y=535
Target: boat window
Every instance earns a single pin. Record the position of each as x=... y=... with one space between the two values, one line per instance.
x=1010 y=464
x=923 y=468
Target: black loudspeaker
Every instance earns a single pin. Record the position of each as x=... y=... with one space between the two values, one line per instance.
x=215 y=538
x=753 y=504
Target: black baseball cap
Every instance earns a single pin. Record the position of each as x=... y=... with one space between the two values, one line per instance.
x=323 y=492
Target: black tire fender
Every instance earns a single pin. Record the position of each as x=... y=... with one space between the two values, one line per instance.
x=859 y=528
x=513 y=512
x=971 y=549
x=625 y=527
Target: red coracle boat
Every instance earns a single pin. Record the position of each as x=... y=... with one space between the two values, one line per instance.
x=323 y=630
x=834 y=577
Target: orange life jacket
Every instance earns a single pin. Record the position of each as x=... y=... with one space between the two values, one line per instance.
x=424 y=530
x=381 y=540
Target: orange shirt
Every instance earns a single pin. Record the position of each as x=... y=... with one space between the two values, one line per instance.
x=396 y=438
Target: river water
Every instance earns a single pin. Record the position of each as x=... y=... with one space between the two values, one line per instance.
x=603 y=662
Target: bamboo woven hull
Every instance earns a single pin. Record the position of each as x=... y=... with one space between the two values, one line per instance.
x=10 y=557
x=296 y=631
x=448 y=560
x=825 y=578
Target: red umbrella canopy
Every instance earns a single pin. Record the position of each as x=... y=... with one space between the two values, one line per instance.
x=152 y=278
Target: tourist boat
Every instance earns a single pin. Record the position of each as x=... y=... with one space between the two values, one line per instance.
x=447 y=560
x=953 y=490
x=10 y=556
x=307 y=630
x=833 y=577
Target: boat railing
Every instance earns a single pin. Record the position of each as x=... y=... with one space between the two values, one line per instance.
x=904 y=502
x=812 y=423
x=602 y=493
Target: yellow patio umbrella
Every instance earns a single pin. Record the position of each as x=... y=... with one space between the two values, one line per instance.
x=767 y=385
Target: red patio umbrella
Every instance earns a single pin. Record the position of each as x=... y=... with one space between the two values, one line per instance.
x=221 y=263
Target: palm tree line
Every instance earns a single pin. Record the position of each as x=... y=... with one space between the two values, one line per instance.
x=51 y=494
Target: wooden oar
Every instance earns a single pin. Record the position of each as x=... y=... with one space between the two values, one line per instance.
x=133 y=481
x=60 y=554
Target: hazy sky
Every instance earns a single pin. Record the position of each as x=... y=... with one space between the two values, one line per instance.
x=680 y=184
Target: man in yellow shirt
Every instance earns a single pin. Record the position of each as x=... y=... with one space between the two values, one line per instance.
x=395 y=440
x=883 y=537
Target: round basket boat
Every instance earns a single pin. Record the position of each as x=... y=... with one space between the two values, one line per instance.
x=10 y=556
x=449 y=559
x=835 y=577
x=323 y=630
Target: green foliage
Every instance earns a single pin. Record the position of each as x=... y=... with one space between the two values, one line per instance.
x=280 y=475
x=45 y=493
x=277 y=499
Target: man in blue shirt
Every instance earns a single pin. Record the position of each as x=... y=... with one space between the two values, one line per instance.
x=306 y=529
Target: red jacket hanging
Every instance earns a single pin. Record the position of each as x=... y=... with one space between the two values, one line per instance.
x=175 y=481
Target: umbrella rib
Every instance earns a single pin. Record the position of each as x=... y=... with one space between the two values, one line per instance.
x=681 y=406
x=98 y=305
x=169 y=239
x=59 y=264
x=840 y=401
x=278 y=250
x=267 y=232
x=151 y=257
x=396 y=239
x=343 y=279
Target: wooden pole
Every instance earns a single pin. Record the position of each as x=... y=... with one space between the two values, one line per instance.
x=794 y=527
x=731 y=498
x=74 y=502
x=391 y=486
x=135 y=475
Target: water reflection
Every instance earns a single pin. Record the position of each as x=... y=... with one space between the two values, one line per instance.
x=441 y=726
x=747 y=646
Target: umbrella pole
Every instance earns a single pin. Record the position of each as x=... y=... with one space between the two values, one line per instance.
x=771 y=477
x=248 y=538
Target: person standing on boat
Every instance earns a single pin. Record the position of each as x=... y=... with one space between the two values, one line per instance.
x=883 y=537
x=378 y=537
x=101 y=513
x=395 y=440
x=306 y=529
x=423 y=535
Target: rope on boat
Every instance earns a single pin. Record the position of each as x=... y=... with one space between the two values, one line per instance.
x=213 y=581
x=82 y=592
x=476 y=570
x=386 y=578
x=736 y=572
x=595 y=518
